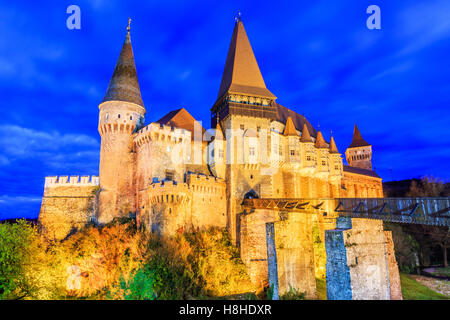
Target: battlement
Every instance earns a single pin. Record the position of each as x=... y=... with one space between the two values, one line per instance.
x=196 y=183
x=158 y=132
x=169 y=192
x=192 y=177
x=55 y=181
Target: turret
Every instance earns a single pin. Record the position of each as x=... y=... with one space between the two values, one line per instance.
x=307 y=147
x=335 y=159
x=121 y=111
x=359 y=153
x=322 y=153
x=293 y=143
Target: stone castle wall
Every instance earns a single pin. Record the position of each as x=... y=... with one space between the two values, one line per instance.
x=68 y=203
x=361 y=186
x=167 y=207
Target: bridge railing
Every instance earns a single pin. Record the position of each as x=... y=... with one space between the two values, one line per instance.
x=427 y=211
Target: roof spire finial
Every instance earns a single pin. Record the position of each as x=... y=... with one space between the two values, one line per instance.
x=129 y=22
x=237 y=17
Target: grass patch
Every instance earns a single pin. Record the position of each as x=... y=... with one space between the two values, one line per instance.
x=321 y=285
x=413 y=290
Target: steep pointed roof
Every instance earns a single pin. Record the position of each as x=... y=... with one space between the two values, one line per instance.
x=241 y=73
x=180 y=118
x=289 y=129
x=320 y=141
x=306 y=137
x=333 y=147
x=299 y=121
x=358 y=141
x=124 y=85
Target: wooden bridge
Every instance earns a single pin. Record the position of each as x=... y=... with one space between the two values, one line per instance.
x=426 y=211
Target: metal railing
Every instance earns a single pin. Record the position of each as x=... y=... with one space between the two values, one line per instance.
x=427 y=211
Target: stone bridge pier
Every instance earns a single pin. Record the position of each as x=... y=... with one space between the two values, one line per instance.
x=361 y=262
x=289 y=249
x=277 y=249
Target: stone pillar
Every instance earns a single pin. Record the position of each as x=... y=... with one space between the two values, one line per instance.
x=295 y=254
x=338 y=272
x=394 y=276
x=356 y=260
x=272 y=260
x=253 y=244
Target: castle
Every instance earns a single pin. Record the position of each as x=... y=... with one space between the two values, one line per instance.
x=173 y=175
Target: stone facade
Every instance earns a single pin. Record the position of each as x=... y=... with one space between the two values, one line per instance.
x=360 y=262
x=395 y=287
x=68 y=204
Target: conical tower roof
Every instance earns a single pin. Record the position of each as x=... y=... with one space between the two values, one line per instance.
x=124 y=85
x=306 y=137
x=241 y=74
x=333 y=147
x=289 y=129
x=320 y=141
x=358 y=141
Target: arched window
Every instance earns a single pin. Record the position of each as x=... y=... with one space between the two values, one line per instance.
x=118 y=116
x=251 y=195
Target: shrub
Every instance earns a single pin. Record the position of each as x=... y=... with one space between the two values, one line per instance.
x=293 y=294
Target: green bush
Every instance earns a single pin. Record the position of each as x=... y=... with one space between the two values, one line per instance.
x=16 y=240
x=293 y=294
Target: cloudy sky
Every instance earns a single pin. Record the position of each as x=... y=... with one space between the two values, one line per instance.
x=317 y=57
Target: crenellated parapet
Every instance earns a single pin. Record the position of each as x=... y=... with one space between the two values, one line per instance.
x=169 y=192
x=69 y=202
x=158 y=132
x=64 y=181
x=205 y=184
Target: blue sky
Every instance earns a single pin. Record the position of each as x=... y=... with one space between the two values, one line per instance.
x=317 y=57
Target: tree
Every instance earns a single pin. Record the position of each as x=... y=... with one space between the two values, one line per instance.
x=430 y=235
x=15 y=254
x=427 y=187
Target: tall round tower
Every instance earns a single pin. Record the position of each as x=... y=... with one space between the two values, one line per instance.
x=121 y=111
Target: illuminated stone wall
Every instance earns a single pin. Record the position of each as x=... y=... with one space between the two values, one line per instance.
x=358 y=261
x=394 y=275
x=67 y=205
x=361 y=186
x=295 y=254
x=168 y=207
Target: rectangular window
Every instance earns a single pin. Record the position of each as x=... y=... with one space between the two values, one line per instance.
x=258 y=128
x=292 y=152
x=324 y=163
x=308 y=158
x=281 y=150
x=251 y=151
x=220 y=153
x=242 y=127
